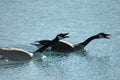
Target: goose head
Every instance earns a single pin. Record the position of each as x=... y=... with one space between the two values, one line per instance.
x=62 y=36
x=104 y=35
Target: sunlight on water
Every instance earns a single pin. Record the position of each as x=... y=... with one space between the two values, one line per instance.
x=25 y=21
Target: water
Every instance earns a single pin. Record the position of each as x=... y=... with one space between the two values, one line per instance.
x=25 y=21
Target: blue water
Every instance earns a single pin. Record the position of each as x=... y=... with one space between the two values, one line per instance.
x=25 y=21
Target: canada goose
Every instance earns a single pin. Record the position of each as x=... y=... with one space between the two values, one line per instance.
x=52 y=42
x=15 y=54
x=62 y=46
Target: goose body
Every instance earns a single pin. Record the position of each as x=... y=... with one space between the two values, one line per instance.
x=62 y=46
x=15 y=54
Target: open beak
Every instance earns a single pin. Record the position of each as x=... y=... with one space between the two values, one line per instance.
x=107 y=36
x=66 y=35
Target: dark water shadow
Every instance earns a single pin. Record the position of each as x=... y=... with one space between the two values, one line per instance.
x=9 y=64
x=94 y=58
x=55 y=57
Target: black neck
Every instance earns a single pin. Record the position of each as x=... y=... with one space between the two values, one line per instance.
x=55 y=40
x=89 y=40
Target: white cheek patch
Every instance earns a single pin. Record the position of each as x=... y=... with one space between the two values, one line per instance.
x=100 y=36
x=60 y=38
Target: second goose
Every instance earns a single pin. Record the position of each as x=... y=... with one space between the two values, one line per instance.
x=62 y=46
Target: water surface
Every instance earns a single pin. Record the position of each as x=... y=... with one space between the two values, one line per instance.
x=25 y=21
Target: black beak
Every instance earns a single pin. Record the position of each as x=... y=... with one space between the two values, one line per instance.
x=107 y=36
x=66 y=35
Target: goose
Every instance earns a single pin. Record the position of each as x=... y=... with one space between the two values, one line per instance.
x=63 y=46
x=16 y=54
x=52 y=42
